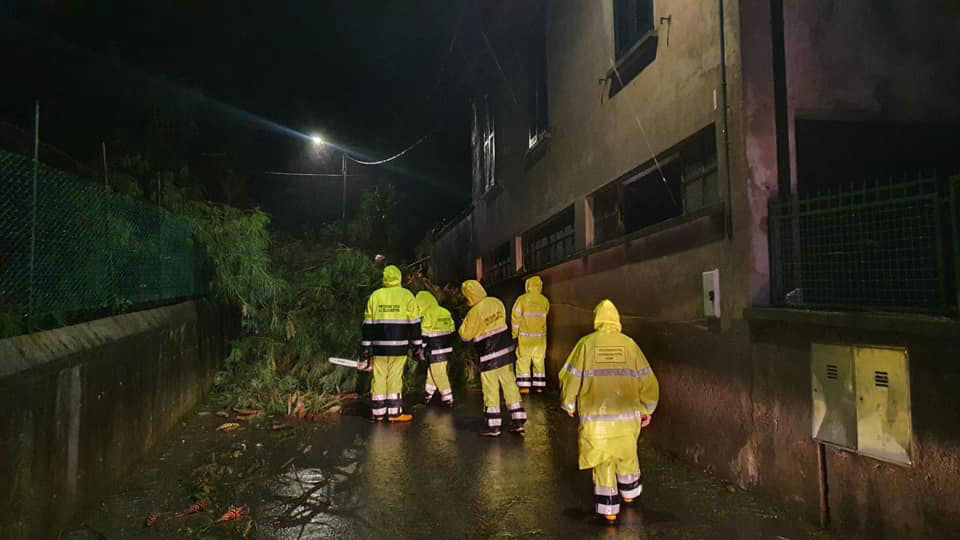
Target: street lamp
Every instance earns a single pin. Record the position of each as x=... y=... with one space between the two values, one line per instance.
x=318 y=142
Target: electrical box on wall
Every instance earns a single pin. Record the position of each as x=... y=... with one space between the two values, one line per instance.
x=861 y=400
x=834 y=400
x=711 y=293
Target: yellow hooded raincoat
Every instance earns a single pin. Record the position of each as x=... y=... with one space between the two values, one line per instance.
x=437 y=328
x=529 y=320
x=608 y=382
x=486 y=326
x=391 y=327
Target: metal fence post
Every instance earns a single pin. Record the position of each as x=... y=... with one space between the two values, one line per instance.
x=955 y=211
x=33 y=211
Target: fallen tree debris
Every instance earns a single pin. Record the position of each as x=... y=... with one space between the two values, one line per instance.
x=234 y=513
x=151 y=519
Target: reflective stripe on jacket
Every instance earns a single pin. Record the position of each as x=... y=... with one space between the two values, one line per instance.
x=529 y=319
x=437 y=328
x=391 y=322
x=608 y=381
x=486 y=326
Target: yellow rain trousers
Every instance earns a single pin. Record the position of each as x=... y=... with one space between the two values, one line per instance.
x=529 y=320
x=437 y=328
x=391 y=327
x=609 y=383
x=486 y=326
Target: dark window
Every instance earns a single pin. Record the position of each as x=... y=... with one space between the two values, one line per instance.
x=551 y=242
x=680 y=182
x=834 y=155
x=700 y=178
x=484 y=146
x=633 y=19
x=537 y=82
x=496 y=264
x=607 y=213
x=635 y=41
x=652 y=196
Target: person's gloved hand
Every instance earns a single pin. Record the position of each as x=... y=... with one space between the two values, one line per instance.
x=422 y=354
x=645 y=420
x=365 y=356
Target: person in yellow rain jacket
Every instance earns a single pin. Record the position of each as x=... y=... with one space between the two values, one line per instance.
x=391 y=327
x=529 y=321
x=608 y=382
x=437 y=328
x=486 y=326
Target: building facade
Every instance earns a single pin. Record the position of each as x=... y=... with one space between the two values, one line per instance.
x=747 y=180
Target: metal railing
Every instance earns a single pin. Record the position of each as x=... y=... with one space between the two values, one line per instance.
x=890 y=246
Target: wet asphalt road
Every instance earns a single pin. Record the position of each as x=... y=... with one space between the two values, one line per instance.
x=433 y=478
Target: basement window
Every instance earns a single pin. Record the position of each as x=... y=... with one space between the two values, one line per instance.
x=607 y=208
x=496 y=264
x=653 y=195
x=700 y=175
x=551 y=242
x=679 y=182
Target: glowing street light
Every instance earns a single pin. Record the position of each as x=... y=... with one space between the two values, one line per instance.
x=318 y=142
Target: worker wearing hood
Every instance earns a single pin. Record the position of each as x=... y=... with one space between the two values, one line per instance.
x=486 y=326
x=391 y=327
x=437 y=328
x=608 y=382
x=529 y=320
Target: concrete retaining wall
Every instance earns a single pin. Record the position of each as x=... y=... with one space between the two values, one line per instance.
x=81 y=404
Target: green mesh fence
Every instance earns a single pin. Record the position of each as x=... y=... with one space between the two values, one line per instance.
x=885 y=247
x=69 y=246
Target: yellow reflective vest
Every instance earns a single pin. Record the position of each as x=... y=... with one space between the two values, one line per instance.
x=607 y=380
x=529 y=319
x=486 y=326
x=437 y=328
x=391 y=322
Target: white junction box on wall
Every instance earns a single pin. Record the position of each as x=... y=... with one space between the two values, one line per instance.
x=711 y=293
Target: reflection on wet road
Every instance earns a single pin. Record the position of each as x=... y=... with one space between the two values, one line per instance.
x=435 y=477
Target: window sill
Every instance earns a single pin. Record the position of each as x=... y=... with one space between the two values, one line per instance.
x=715 y=211
x=491 y=193
x=900 y=323
x=667 y=237
x=635 y=60
x=537 y=151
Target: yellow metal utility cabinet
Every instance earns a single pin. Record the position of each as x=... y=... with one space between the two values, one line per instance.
x=884 y=423
x=834 y=401
x=861 y=399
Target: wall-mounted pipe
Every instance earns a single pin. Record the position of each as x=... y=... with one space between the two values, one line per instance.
x=728 y=218
x=822 y=481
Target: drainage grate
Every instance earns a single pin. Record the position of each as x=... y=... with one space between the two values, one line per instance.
x=880 y=378
x=832 y=371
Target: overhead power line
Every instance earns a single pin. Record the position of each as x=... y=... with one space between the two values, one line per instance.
x=393 y=157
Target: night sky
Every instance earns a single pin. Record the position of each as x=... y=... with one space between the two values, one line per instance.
x=371 y=74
